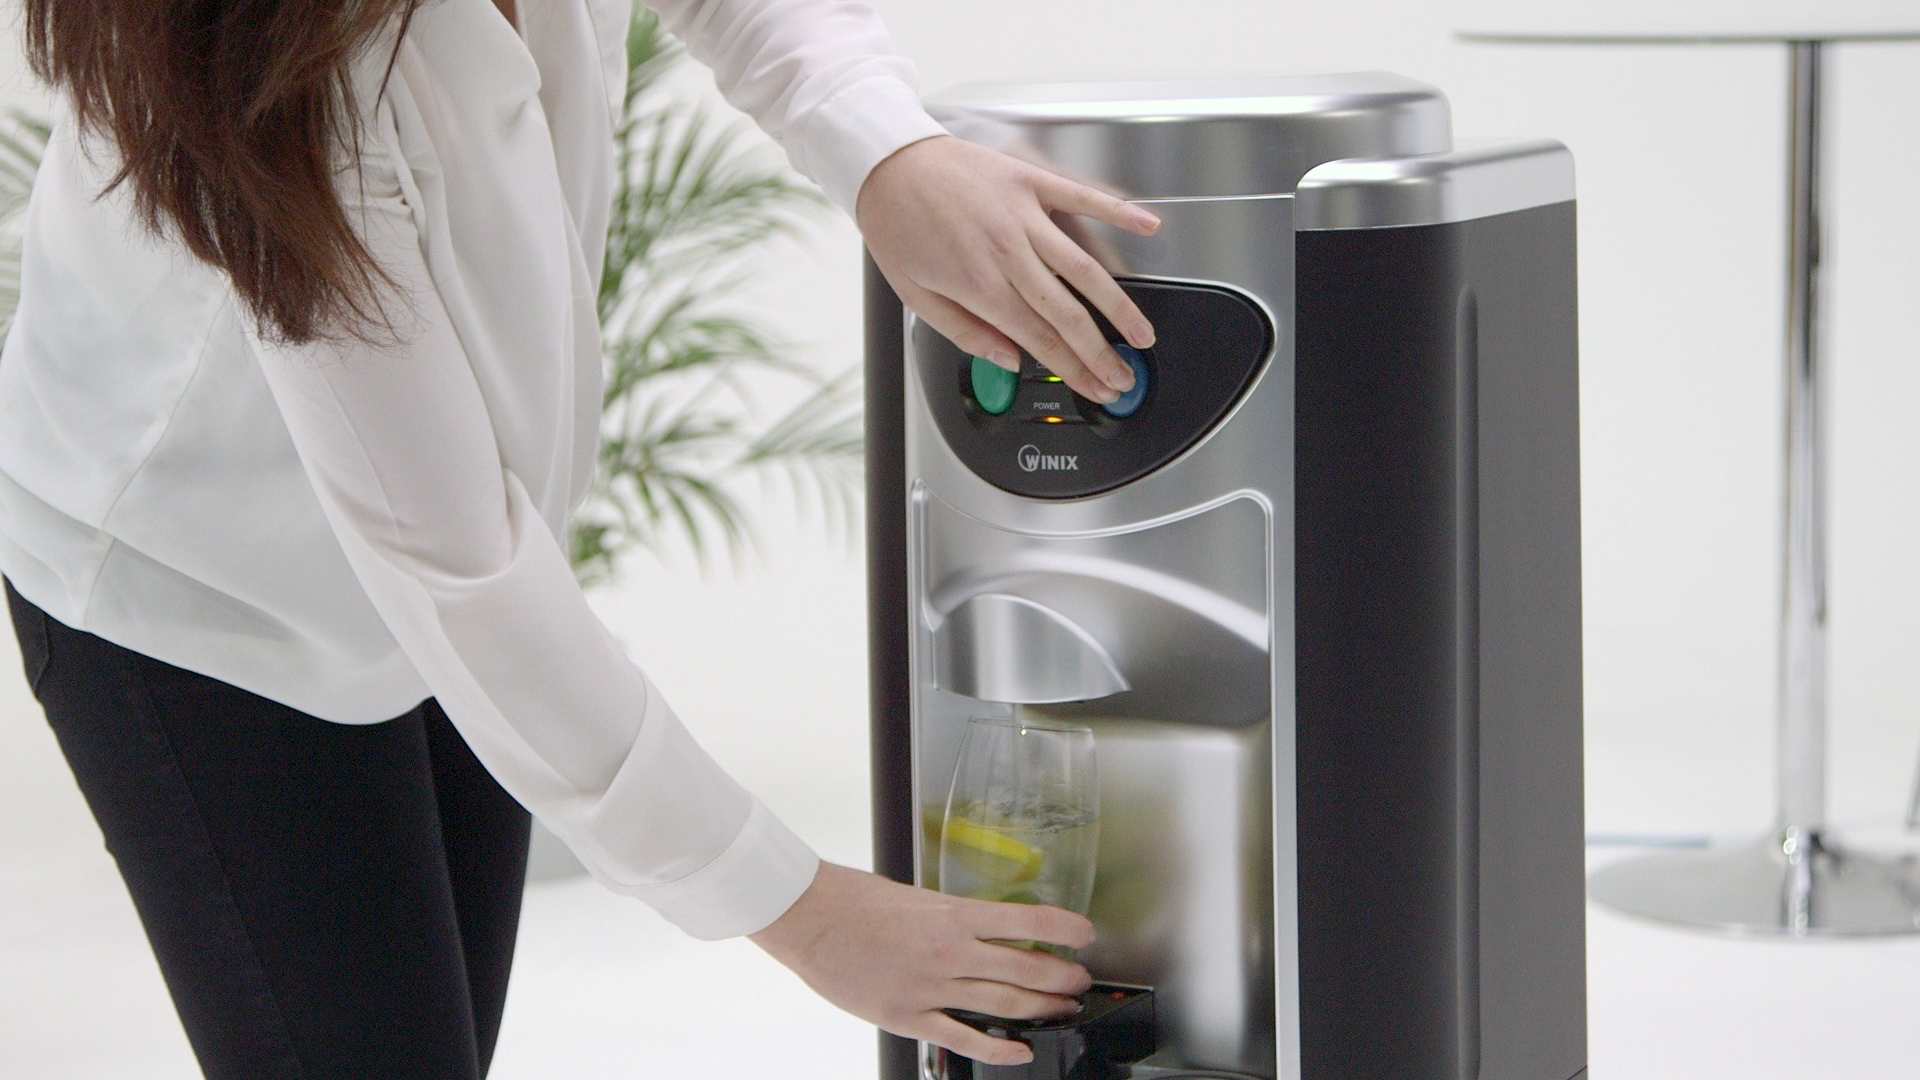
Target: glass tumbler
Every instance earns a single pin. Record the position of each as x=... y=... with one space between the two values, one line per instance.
x=1023 y=816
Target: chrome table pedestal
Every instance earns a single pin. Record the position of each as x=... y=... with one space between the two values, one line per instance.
x=1799 y=880
x=1794 y=884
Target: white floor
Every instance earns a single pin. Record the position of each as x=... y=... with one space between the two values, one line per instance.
x=604 y=989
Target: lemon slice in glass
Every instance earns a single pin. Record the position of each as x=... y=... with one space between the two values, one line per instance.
x=992 y=854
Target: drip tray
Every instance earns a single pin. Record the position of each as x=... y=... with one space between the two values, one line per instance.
x=1114 y=1028
x=1167 y=1072
x=1151 y=1071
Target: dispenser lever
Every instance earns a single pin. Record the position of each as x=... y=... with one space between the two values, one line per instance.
x=1114 y=1029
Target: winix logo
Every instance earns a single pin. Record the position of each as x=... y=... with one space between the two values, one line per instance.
x=1032 y=460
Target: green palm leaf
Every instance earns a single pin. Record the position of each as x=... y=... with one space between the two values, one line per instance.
x=23 y=142
x=684 y=456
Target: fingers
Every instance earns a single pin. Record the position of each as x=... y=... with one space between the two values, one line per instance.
x=1029 y=922
x=1011 y=312
x=1028 y=968
x=962 y=327
x=1008 y=283
x=1084 y=272
x=1009 y=1002
x=1059 y=193
x=943 y=1030
x=1068 y=317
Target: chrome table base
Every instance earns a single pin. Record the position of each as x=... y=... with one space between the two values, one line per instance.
x=1788 y=885
x=1799 y=882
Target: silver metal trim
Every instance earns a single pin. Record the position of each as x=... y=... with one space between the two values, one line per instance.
x=1803 y=608
x=1131 y=101
x=1479 y=178
x=1224 y=137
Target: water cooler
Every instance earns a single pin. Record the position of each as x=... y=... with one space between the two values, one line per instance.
x=1316 y=590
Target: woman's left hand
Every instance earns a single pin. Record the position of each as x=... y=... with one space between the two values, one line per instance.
x=966 y=237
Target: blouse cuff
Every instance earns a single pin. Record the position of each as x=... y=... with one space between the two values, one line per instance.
x=743 y=890
x=856 y=129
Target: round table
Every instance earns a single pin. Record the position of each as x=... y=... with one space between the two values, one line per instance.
x=1799 y=880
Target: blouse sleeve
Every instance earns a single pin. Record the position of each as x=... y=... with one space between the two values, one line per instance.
x=473 y=584
x=820 y=76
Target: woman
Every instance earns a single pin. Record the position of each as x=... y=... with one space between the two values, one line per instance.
x=303 y=385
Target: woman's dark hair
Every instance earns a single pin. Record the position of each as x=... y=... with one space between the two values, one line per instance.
x=227 y=116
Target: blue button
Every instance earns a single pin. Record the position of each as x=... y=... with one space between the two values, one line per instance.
x=1129 y=402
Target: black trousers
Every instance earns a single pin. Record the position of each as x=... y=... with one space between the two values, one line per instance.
x=325 y=900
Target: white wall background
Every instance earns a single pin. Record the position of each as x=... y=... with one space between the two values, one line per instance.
x=1680 y=153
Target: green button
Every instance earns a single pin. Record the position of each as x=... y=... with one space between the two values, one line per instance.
x=993 y=386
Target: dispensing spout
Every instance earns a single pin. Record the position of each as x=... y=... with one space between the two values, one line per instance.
x=1000 y=647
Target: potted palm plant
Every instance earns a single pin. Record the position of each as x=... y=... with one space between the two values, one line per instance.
x=682 y=448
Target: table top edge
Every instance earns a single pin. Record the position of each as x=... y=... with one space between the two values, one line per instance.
x=1522 y=37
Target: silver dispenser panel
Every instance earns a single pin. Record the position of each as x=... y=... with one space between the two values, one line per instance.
x=1161 y=612
x=1158 y=639
x=1156 y=601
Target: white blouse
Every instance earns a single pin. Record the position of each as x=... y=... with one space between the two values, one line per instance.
x=350 y=529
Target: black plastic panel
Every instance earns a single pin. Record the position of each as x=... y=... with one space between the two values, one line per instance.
x=1437 y=622
x=1054 y=443
x=889 y=617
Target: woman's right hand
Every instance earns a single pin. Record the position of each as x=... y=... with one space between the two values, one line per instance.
x=895 y=956
x=976 y=242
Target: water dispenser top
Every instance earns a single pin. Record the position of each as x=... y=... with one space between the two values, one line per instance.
x=1202 y=138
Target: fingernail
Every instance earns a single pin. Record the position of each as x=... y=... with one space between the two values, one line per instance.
x=1107 y=395
x=1149 y=219
x=1005 y=359
x=1142 y=336
x=1122 y=380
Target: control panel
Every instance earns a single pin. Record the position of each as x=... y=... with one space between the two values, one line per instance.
x=1028 y=433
